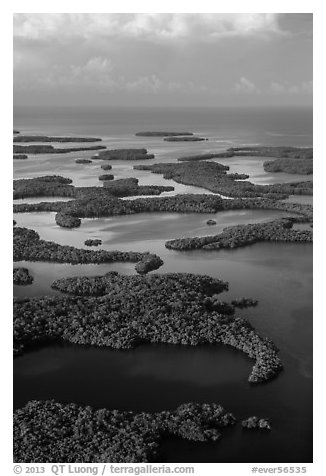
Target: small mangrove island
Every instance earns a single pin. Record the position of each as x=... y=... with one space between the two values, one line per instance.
x=124 y=154
x=255 y=423
x=22 y=276
x=83 y=161
x=184 y=139
x=162 y=134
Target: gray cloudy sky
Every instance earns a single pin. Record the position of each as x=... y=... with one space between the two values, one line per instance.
x=162 y=59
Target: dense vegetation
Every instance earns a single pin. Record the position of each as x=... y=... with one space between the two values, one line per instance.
x=52 y=432
x=29 y=247
x=91 y=242
x=243 y=235
x=49 y=149
x=290 y=166
x=22 y=276
x=83 y=161
x=124 y=154
x=20 y=156
x=169 y=308
x=55 y=139
x=255 y=423
x=184 y=139
x=213 y=177
x=163 y=134
x=48 y=185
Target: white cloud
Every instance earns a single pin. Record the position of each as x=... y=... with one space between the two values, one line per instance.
x=154 y=26
x=305 y=87
x=246 y=86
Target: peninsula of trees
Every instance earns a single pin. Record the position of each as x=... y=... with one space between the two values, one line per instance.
x=170 y=308
x=52 y=432
x=29 y=247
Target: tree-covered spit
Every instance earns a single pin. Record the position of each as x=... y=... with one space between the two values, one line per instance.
x=23 y=138
x=29 y=247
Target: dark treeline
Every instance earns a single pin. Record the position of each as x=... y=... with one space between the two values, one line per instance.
x=164 y=309
x=212 y=176
x=277 y=152
x=162 y=134
x=55 y=139
x=216 y=155
x=290 y=166
x=124 y=154
x=184 y=139
x=20 y=157
x=21 y=276
x=243 y=235
x=52 y=432
x=49 y=149
x=83 y=161
x=29 y=247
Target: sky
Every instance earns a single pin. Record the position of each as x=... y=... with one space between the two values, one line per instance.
x=162 y=59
